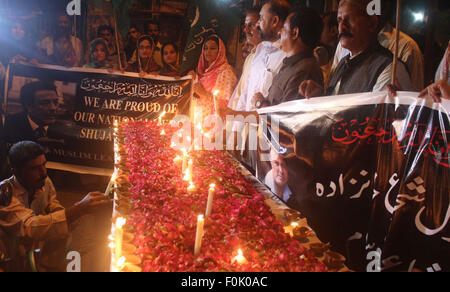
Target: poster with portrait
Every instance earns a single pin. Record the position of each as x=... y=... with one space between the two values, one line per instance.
x=72 y=111
x=370 y=173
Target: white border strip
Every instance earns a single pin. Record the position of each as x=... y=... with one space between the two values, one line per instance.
x=104 y=71
x=321 y=103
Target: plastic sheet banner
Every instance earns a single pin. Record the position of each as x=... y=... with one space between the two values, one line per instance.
x=371 y=175
x=80 y=139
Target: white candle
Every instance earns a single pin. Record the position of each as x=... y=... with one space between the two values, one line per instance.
x=160 y=118
x=240 y=259
x=190 y=169
x=199 y=235
x=120 y=222
x=177 y=160
x=111 y=185
x=185 y=156
x=210 y=200
x=191 y=187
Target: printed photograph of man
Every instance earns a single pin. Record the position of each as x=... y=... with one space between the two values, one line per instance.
x=277 y=178
x=41 y=104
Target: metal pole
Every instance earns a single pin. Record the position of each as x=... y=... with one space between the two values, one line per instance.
x=397 y=37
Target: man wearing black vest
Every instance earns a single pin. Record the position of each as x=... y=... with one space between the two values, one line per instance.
x=368 y=68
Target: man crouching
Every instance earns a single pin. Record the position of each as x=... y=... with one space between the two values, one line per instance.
x=30 y=215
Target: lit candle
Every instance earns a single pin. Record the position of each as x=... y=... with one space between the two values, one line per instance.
x=121 y=263
x=190 y=169
x=199 y=235
x=290 y=229
x=215 y=94
x=185 y=156
x=188 y=172
x=191 y=187
x=120 y=222
x=111 y=185
x=240 y=259
x=210 y=199
x=160 y=118
x=177 y=160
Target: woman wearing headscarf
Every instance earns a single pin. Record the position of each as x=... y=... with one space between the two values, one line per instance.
x=169 y=57
x=215 y=75
x=145 y=63
x=98 y=57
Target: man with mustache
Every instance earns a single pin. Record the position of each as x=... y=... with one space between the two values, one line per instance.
x=31 y=216
x=253 y=38
x=368 y=67
x=409 y=51
x=268 y=56
x=266 y=64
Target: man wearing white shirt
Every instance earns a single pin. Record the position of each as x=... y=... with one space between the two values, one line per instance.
x=266 y=64
x=268 y=56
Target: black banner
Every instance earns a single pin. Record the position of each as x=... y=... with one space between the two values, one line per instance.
x=370 y=173
x=89 y=103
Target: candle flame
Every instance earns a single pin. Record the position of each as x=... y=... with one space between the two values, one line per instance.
x=201 y=217
x=163 y=133
x=111 y=237
x=121 y=262
x=112 y=245
x=240 y=253
x=120 y=222
x=216 y=92
x=294 y=224
x=212 y=186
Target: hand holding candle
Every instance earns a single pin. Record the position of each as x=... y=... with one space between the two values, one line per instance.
x=111 y=185
x=199 y=235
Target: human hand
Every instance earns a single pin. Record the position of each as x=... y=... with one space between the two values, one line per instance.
x=92 y=201
x=192 y=74
x=437 y=91
x=257 y=100
x=321 y=55
x=310 y=88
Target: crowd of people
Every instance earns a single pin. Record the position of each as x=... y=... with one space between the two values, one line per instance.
x=290 y=53
x=141 y=52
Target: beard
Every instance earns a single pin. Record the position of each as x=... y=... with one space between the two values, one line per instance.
x=268 y=36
